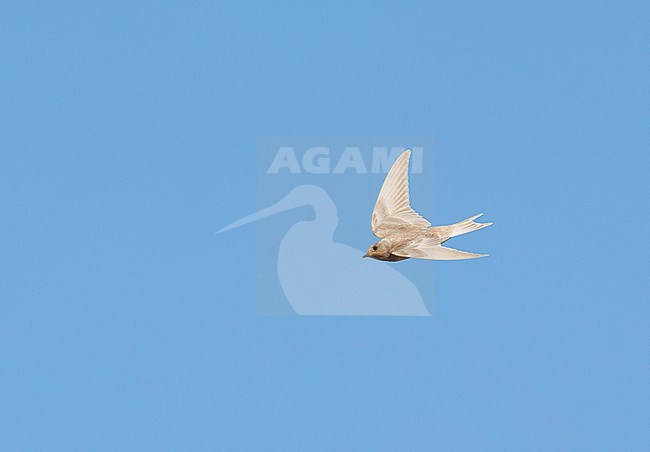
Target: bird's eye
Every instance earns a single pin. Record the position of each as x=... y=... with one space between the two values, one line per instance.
x=374 y=248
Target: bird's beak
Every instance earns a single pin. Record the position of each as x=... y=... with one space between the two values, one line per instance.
x=280 y=206
x=366 y=255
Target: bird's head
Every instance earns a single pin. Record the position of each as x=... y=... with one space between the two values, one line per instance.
x=378 y=250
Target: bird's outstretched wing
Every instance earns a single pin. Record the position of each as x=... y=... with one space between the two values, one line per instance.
x=393 y=208
x=427 y=248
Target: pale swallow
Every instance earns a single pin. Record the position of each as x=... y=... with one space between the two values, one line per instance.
x=403 y=232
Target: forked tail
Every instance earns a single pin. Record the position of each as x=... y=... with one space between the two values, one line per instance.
x=465 y=226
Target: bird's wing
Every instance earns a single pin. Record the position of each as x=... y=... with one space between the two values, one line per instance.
x=427 y=248
x=393 y=207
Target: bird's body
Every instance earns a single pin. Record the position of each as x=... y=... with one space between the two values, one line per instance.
x=403 y=232
x=332 y=281
x=402 y=235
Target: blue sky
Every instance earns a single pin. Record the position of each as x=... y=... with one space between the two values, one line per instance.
x=128 y=136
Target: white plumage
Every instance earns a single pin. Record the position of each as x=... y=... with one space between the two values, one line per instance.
x=403 y=232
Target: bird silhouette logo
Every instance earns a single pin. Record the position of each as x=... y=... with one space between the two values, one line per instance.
x=322 y=277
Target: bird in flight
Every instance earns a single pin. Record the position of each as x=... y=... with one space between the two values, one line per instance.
x=403 y=232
